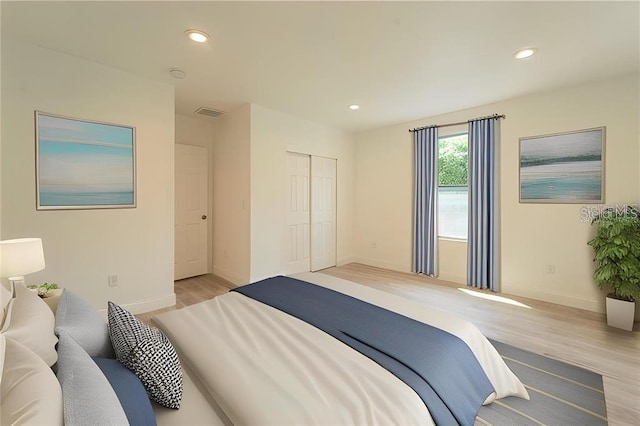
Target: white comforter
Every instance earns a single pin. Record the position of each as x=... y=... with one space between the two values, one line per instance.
x=263 y=366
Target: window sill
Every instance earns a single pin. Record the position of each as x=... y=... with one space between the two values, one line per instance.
x=455 y=240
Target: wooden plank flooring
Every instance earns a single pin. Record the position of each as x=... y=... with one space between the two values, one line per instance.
x=193 y=290
x=572 y=335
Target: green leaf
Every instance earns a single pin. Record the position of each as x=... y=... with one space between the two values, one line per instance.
x=617 y=251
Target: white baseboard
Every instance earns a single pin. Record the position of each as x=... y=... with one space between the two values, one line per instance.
x=381 y=264
x=147 y=305
x=462 y=280
x=545 y=296
x=558 y=298
x=347 y=260
x=229 y=276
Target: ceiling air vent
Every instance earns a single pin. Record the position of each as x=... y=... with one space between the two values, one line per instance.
x=209 y=112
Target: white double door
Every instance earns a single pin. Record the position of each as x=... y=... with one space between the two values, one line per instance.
x=311 y=213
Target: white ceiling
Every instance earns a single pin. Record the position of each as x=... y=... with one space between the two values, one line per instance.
x=399 y=61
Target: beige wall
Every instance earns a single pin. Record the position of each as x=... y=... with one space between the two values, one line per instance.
x=249 y=188
x=533 y=235
x=248 y=158
x=384 y=167
x=200 y=131
x=231 y=195
x=273 y=134
x=83 y=247
x=4 y=292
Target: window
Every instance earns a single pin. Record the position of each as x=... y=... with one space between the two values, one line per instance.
x=453 y=189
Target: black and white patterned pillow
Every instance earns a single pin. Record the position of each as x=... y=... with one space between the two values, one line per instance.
x=149 y=354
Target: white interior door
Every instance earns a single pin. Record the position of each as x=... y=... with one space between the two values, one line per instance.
x=298 y=216
x=323 y=213
x=191 y=210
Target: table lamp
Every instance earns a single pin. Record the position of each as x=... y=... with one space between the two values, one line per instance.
x=20 y=257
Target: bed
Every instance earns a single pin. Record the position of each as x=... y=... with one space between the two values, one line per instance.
x=261 y=366
x=241 y=361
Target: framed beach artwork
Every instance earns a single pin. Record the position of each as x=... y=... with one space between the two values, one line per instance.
x=563 y=168
x=84 y=164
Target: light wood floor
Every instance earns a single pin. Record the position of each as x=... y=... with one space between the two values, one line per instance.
x=572 y=335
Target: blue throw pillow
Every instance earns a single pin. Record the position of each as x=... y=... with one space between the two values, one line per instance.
x=130 y=391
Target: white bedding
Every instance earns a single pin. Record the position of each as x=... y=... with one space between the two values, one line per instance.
x=262 y=366
x=197 y=407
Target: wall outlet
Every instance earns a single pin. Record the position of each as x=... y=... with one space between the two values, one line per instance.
x=374 y=245
x=112 y=280
x=551 y=269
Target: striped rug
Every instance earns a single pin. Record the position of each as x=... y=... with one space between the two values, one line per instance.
x=561 y=394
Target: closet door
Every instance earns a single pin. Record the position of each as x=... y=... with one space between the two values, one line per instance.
x=323 y=213
x=298 y=215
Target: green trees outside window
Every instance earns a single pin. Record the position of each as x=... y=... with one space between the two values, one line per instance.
x=453 y=167
x=453 y=192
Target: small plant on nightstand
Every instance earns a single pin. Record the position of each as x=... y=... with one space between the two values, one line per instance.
x=43 y=290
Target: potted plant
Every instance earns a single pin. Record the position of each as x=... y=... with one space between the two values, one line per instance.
x=617 y=255
x=43 y=290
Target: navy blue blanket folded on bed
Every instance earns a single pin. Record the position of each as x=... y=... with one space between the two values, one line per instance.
x=439 y=366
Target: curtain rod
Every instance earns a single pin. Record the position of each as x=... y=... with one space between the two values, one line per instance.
x=494 y=116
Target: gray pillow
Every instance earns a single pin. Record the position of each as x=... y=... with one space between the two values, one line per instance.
x=88 y=398
x=81 y=321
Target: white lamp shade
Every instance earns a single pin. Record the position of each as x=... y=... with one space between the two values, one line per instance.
x=21 y=257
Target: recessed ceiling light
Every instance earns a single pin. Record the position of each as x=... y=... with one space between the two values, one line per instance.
x=197 y=35
x=525 y=53
x=354 y=107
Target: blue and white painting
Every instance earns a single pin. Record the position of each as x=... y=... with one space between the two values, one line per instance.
x=563 y=168
x=83 y=164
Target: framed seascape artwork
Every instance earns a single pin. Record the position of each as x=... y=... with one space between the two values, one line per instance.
x=563 y=167
x=84 y=164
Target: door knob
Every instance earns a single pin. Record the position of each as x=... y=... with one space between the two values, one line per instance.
x=204 y=216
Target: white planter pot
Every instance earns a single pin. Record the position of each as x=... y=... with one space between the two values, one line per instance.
x=620 y=313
